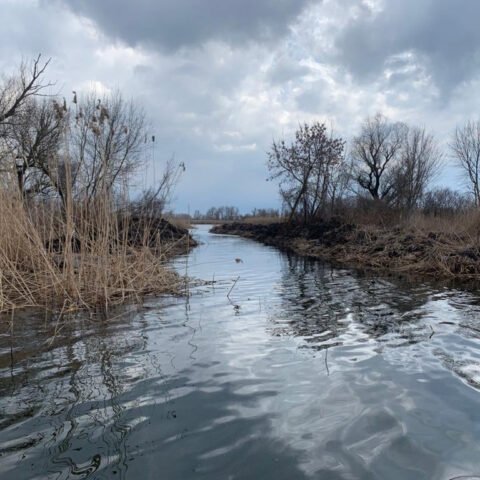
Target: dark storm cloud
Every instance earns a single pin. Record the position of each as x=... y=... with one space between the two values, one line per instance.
x=172 y=24
x=443 y=34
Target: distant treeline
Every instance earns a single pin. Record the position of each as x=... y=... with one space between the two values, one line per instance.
x=230 y=213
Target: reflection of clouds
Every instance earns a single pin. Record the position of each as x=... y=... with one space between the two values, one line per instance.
x=75 y=387
x=319 y=305
x=322 y=373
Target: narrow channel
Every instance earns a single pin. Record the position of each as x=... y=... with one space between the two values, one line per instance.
x=278 y=367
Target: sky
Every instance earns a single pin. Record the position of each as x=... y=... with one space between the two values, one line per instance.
x=220 y=79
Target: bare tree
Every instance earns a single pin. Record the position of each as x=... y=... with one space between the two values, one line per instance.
x=32 y=147
x=222 y=213
x=18 y=89
x=108 y=139
x=465 y=147
x=419 y=163
x=306 y=168
x=445 y=201
x=375 y=153
x=153 y=201
x=29 y=130
x=79 y=150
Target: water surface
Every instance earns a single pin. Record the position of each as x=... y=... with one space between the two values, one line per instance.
x=303 y=371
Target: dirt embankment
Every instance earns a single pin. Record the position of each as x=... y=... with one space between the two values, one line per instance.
x=407 y=251
x=154 y=232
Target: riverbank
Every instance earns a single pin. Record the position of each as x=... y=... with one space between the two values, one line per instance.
x=84 y=259
x=396 y=250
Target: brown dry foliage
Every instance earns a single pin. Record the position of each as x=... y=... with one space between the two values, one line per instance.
x=75 y=259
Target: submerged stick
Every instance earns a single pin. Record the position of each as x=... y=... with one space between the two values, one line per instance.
x=234 y=283
x=326 y=362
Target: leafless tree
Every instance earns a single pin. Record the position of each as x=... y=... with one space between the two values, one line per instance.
x=108 y=139
x=375 y=153
x=153 y=201
x=419 y=162
x=306 y=169
x=222 y=213
x=465 y=147
x=445 y=201
x=32 y=147
x=29 y=130
x=17 y=89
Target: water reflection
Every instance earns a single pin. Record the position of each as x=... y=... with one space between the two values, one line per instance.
x=303 y=371
x=117 y=404
x=322 y=305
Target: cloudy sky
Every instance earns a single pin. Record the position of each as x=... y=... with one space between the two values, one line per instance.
x=221 y=78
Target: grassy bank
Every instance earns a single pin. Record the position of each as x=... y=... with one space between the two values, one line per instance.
x=430 y=247
x=83 y=256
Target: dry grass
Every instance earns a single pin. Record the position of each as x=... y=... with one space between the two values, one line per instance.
x=208 y=222
x=420 y=246
x=439 y=247
x=257 y=220
x=180 y=221
x=263 y=220
x=78 y=259
x=464 y=224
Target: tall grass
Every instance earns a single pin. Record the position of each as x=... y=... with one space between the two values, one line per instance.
x=78 y=256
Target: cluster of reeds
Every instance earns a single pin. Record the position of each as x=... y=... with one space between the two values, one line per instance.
x=82 y=256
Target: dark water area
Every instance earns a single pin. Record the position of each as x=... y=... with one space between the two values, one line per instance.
x=303 y=372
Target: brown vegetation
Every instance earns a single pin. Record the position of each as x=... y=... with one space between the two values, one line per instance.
x=70 y=237
x=439 y=247
x=82 y=260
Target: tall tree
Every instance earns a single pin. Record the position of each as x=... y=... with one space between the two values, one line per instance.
x=375 y=153
x=420 y=160
x=17 y=89
x=306 y=169
x=108 y=139
x=465 y=147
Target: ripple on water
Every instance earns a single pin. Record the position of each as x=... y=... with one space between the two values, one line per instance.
x=303 y=371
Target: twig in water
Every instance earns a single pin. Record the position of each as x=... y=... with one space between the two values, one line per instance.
x=11 y=342
x=326 y=362
x=234 y=283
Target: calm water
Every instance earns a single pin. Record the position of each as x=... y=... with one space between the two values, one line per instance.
x=304 y=372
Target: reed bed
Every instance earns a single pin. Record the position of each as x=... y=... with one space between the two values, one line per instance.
x=83 y=256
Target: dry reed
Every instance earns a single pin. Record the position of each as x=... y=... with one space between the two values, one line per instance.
x=78 y=257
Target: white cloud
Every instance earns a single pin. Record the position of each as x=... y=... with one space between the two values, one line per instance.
x=217 y=104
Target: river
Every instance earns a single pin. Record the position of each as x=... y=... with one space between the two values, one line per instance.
x=279 y=368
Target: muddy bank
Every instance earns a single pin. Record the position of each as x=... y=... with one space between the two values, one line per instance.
x=403 y=251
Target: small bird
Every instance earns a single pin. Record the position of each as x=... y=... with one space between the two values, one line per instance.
x=238 y=260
